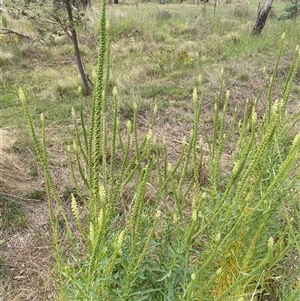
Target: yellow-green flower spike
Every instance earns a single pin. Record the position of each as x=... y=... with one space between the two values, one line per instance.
x=200 y=79
x=100 y=217
x=120 y=242
x=227 y=94
x=194 y=215
x=175 y=218
x=155 y=109
x=102 y=193
x=75 y=147
x=115 y=91
x=73 y=113
x=129 y=126
x=195 y=95
x=149 y=135
x=270 y=242
x=74 y=206
x=218 y=236
x=222 y=72
x=22 y=95
x=92 y=234
x=254 y=117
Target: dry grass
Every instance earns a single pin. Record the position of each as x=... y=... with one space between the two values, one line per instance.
x=13 y=176
x=5 y=56
x=26 y=265
x=25 y=261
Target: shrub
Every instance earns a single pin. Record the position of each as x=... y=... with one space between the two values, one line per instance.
x=292 y=11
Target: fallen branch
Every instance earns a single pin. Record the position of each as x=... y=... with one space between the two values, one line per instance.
x=8 y=31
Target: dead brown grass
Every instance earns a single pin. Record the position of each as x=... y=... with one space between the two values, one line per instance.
x=13 y=176
x=25 y=260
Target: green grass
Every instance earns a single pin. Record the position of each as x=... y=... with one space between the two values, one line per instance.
x=12 y=213
x=9 y=100
x=196 y=197
x=141 y=54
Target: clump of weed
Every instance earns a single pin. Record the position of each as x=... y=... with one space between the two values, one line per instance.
x=291 y=11
x=187 y=231
x=35 y=194
x=242 y=11
x=169 y=59
x=65 y=86
x=11 y=212
x=244 y=77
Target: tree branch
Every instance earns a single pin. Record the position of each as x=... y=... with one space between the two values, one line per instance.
x=8 y=31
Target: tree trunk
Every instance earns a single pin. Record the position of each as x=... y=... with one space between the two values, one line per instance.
x=262 y=17
x=1 y=5
x=76 y=48
x=81 y=3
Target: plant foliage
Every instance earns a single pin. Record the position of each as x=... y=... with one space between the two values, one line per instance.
x=292 y=11
x=234 y=238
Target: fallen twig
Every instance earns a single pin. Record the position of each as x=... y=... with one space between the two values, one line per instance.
x=8 y=31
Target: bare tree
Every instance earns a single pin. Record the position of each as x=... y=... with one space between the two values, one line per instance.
x=76 y=48
x=75 y=3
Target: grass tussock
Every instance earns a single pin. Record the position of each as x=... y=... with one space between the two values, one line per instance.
x=26 y=260
x=5 y=57
x=13 y=174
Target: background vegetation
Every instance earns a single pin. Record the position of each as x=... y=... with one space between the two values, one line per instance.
x=169 y=187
